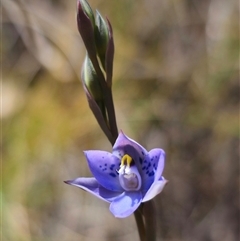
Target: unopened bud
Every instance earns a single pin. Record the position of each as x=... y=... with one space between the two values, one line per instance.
x=101 y=37
x=87 y=10
x=91 y=79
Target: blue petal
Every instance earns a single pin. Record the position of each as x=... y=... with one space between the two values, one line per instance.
x=103 y=166
x=160 y=163
x=125 y=145
x=152 y=168
x=91 y=185
x=155 y=189
x=125 y=204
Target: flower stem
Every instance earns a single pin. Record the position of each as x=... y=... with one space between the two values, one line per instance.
x=140 y=224
x=150 y=220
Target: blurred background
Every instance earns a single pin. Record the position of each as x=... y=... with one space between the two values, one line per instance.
x=175 y=86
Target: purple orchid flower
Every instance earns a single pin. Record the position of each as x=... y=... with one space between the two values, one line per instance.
x=126 y=177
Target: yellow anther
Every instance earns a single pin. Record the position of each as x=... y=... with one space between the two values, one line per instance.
x=126 y=160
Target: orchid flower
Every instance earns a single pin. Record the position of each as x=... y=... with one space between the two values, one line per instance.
x=126 y=177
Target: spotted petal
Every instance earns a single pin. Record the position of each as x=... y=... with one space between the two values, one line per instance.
x=152 y=167
x=125 y=145
x=155 y=189
x=125 y=204
x=103 y=166
x=159 y=154
x=92 y=186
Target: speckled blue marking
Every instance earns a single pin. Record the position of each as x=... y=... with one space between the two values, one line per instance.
x=112 y=167
x=149 y=167
x=112 y=174
x=140 y=160
x=151 y=174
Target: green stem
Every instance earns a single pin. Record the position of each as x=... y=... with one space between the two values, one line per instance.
x=111 y=114
x=150 y=220
x=140 y=224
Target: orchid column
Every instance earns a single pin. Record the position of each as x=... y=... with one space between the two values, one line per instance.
x=130 y=176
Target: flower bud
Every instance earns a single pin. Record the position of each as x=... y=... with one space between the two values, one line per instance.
x=91 y=79
x=101 y=37
x=92 y=83
x=87 y=10
x=86 y=25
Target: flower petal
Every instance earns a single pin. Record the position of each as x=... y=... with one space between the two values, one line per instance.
x=92 y=186
x=125 y=145
x=155 y=189
x=103 y=166
x=152 y=167
x=125 y=204
x=159 y=156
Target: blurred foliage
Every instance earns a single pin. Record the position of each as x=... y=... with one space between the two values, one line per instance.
x=176 y=86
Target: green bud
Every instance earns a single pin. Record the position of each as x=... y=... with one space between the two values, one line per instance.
x=87 y=10
x=91 y=80
x=101 y=37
